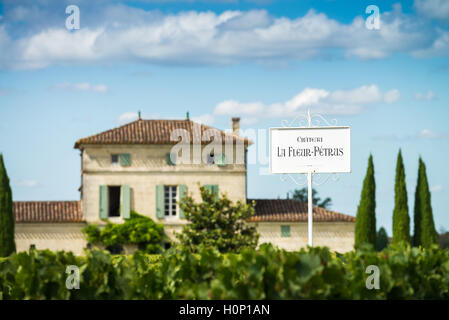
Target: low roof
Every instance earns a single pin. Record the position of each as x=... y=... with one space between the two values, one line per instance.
x=287 y=210
x=47 y=211
x=267 y=210
x=158 y=132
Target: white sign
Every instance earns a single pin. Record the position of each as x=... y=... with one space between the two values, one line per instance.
x=316 y=150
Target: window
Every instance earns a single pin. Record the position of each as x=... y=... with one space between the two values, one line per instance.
x=114 y=201
x=285 y=231
x=123 y=158
x=210 y=158
x=170 y=198
x=114 y=158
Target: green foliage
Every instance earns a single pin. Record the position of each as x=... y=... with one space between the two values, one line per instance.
x=424 y=226
x=365 y=224
x=381 y=239
x=217 y=222
x=301 y=195
x=7 y=242
x=401 y=219
x=139 y=230
x=266 y=273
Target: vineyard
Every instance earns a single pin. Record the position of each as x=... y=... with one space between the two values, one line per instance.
x=266 y=273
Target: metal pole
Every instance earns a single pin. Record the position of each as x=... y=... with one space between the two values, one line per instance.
x=309 y=191
x=310 y=208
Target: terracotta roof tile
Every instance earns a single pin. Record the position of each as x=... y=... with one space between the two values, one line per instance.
x=157 y=132
x=47 y=211
x=287 y=210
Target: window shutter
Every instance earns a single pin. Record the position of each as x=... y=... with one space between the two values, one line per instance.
x=168 y=159
x=182 y=194
x=125 y=159
x=160 y=201
x=126 y=202
x=221 y=160
x=104 y=202
x=285 y=231
x=213 y=188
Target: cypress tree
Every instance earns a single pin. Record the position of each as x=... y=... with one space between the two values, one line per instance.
x=401 y=219
x=7 y=243
x=365 y=224
x=424 y=231
x=381 y=239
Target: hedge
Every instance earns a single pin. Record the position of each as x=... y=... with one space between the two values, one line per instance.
x=266 y=273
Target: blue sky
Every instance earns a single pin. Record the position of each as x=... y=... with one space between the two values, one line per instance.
x=264 y=61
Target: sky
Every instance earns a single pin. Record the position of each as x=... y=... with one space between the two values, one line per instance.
x=262 y=60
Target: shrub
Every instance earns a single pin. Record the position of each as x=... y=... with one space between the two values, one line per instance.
x=139 y=230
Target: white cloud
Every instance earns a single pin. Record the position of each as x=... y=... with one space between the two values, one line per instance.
x=206 y=119
x=127 y=117
x=84 y=86
x=26 y=183
x=344 y=102
x=427 y=96
x=435 y=9
x=436 y=188
x=428 y=134
x=121 y=33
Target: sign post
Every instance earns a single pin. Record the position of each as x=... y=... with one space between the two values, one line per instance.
x=310 y=150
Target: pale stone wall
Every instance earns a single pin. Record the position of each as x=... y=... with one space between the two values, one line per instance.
x=338 y=236
x=148 y=169
x=52 y=236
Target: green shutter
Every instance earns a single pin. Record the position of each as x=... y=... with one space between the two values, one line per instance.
x=182 y=194
x=160 y=201
x=126 y=202
x=104 y=202
x=213 y=188
x=125 y=159
x=220 y=160
x=168 y=159
x=285 y=231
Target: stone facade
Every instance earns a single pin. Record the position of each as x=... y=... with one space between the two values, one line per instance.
x=149 y=168
x=52 y=236
x=338 y=236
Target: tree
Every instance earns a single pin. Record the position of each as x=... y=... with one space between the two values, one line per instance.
x=301 y=195
x=381 y=239
x=424 y=227
x=7 y=242
x=365 y=223
x=401 y=219
x=217 y=222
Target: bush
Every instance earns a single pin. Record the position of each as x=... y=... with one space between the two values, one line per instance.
x=139 y=230
x=267 y=273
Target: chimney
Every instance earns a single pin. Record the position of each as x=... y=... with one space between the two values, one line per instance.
x=236 y=126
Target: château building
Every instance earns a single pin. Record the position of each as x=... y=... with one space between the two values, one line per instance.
x=147 y=166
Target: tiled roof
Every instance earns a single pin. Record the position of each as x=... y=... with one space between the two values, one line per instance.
x=287 y=210
x=157 y=132
x=48 y=211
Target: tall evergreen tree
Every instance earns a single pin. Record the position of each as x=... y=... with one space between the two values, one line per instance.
x=365 y=224
x=401 y=219
x=424 y=230
x=7 y=243
x=381 y=239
